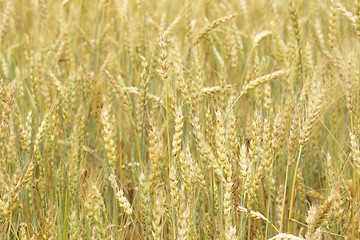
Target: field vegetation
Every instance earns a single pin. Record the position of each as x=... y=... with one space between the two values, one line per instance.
x=187 y=119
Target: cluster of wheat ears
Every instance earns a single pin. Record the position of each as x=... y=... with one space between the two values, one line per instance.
x=160 y=119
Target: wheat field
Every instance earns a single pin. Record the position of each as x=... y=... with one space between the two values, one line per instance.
x=144 y=119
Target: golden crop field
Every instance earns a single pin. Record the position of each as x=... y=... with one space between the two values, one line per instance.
x=144 y=119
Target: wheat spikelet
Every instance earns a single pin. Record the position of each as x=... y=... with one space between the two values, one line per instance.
x=230 y=230
x=211 y=26
x=22 y=231
x=318 y=215
x=185 y=161
x=74 y=225
x=253 y=214
x=184 y=218
x=95 y=209
x=26 y=133
x=355 y=151
x=357 y=17
x=120 y=90
x=163 y=55
x=348 y=15
x=11 y=146
x=294 y=134
x=5 y=20
x=221 y=146
x=13 y=199
x=7 y=106
x=204 y=148
x=279 y=208
x=28 y=175
x=263 y=79
x=267 y=156
x=259 y=37
x=178 y=132
x=332 y=23
x=123 y=202
x=213 y=90
x=145 y=198
x=174 y=191
x=258 y=81
x=109 y=139
x=278 y=132
x=155 y=155
x=158 y=213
